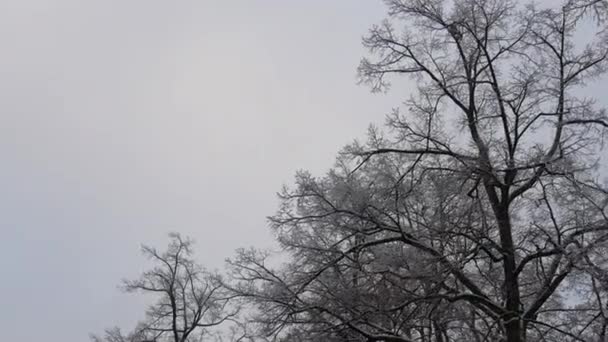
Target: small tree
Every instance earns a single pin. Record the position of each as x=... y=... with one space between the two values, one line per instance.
x=190 y=300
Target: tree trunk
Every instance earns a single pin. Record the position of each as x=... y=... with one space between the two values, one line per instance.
x=512 y=320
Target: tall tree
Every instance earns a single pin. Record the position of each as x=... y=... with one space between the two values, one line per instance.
x=190 y=300
x=479 y=216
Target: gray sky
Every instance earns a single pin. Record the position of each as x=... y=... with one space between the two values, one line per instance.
x=123 y=120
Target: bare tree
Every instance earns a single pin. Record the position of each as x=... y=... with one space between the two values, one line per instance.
x=480 y=217
x=190 y=300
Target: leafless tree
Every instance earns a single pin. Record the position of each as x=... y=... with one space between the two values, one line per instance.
x=190 y=300
x=480 y=215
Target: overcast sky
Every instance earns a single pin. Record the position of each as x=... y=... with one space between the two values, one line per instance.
x=123 y=120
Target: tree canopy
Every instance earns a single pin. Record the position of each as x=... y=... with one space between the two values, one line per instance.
x=478 y=215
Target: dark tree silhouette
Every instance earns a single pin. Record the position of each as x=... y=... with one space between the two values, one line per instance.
x=190 y=300
x=479 y=216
